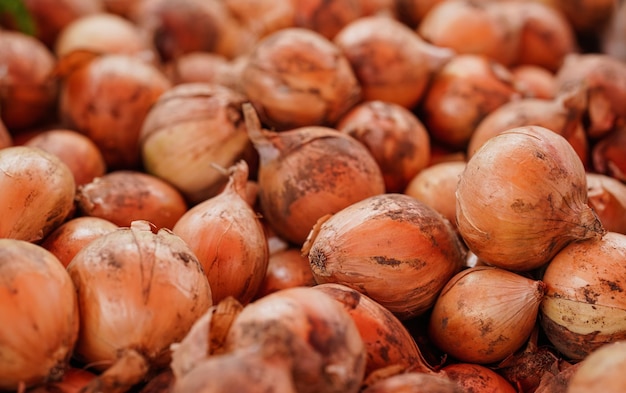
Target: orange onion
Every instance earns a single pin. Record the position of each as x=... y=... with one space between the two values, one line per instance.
x=412 y=12
x=534 y=81
x=397 y=139
x=192 y=127
x=391 y=61
x=484 y=314
x=607 y=198
x=262 y=17
x=585 y=302
x=523 y=197
x=37 y=340
x=226 y=235
x=607 y=154
x=477 y=378
x=338 y=171
x=138 y=292
x=387 y=241
x=325 y=17
x=286 y=268
x=107 y=99
x=587 y=17
x=124 y=196
x=37 y=192
x=414 y=382
x=125 y=8
x=296 y=77
x=203 y=67
x=77 y=151
x=601 y=371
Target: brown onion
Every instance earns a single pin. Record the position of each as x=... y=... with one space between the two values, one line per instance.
x=601 y=371
x=124 y=196
x=138 y=292
x=484 y=314
x=339 y=170
x=534 y=81
x=607 y=198
x=397 y=139
x=608 y=154
x=37 y=340
x=414 y=382
x=477 y=378
x=391 y=61
x=36 y=193
x=412 y=12
x=387 y=241
x=203 y=67
x=225 y=233
x=262 y=17
x=296 y=77
x=326 y=17
x=585 y=302
x=286 y=268
x=523 y=197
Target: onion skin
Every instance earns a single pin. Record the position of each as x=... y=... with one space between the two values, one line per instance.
x=37 y=192
x=607 y=197
x=384 y=241
x=37 y=344
x=601 y=371
x=477 y=378
x=286 y=268
x=74 y=379
x=542 y=208
x=414 y=382
x=484 y=314
x=585 y=305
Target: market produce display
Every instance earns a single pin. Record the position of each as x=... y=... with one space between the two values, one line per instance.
x=306 y=196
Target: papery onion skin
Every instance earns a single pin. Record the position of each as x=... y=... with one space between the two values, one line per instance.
x=601 y=371
x=414 y=382
x=607 y=197
x=387 y=241
x=585 y=302
x=36 y=341
x=522 y=198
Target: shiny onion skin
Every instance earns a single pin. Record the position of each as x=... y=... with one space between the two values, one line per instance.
x=607 y=197
x=123 y=196
x=225 y=233
x=585 y=302
x=37 y=192
x=308 y=172
x=414 y=382
x=484 y=314
x=138 y=292
x=286 y=268
x=387 y=241
x=296 y=77
x=522 y=198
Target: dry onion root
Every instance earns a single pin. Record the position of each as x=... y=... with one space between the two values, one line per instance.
x=523 y=197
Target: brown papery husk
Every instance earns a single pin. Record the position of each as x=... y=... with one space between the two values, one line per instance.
x=587 y=17
x=228 y=238
x=607 y=197
x=608 y=155
x=387 y=241
x=601 y=371
x=522 y=198
x=414 y=382
x=308 y=331
x=37 y=340
x=477 y=378
x=138 y=292
x=585 y=303
x=308 y=172
x=391 y=61
x=557 y=380
x=484 y=314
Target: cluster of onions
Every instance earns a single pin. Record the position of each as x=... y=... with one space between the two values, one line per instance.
x=37 y=340
x=138 y=292
x=523 y=197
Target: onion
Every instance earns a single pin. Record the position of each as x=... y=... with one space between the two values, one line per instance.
x=73 y=380
x=190 y=128
x=397 y=139
x=262 y=17
x=339 y=171
x=124 y=196
x=462 y=93
x=484 y=314
x=585 y=303
x=296 y=77
x=387 y=241
x=607 y=154
x=286 y=268
x=27 y=91
x=391 y=61
x=138 y=292
x=125 y=8
x=586 y=16
x=226 y=235
x=36 y=340
x=36 y=193
x=477 y=378
x=6 y=139
x=326 y=17
x=601 y=371
x=74 y=234
x=107 y=99
x=534 y=81
x=607 y=198
x=76 y=150
x=204 y=67
x=523 y=197
x=414 y=382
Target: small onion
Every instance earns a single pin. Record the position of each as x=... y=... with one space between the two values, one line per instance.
x=477 y=378
x=607 y=198
x=414 y=382
x=534 y=81
x=608 y=155
x=286 y=268
x=601 y=371
x=387 y=241
x=204 y=67
x=484 y=314
x=585 y=302
x=262 y=17
x=36 y=340
x=523 y=197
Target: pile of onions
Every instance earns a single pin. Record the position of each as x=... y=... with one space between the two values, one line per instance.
x=391 y=61
x=296 y=77
x=37 y=192
x=191 y=128
x=585 y=303
x=37 y=340
x=308 y=172
x=387 y=241
x=523 y=197
x=138 y=292
x=601 y=371
x=607 y=198
x=484 y=314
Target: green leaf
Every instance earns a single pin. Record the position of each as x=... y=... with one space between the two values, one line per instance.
x=17 y=10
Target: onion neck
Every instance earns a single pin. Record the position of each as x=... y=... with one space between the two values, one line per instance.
x=590 y=226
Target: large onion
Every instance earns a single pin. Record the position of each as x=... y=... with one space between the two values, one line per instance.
x=523 y=197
